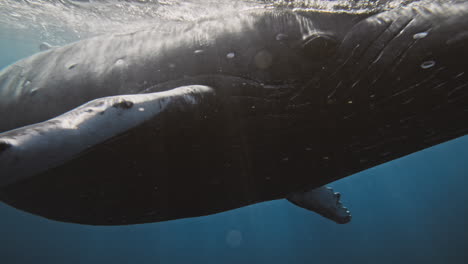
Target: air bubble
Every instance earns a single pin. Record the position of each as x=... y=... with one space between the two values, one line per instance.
x=141 y=109
x=281 y=36
x=71 y=65
x=33 y=91
x=420 y=35
x=119 y=62
x=26 y=84
x=230 y=55
x=428 y=64
x=199 y=51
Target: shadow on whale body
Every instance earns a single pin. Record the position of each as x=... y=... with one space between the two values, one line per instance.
x=229 y=112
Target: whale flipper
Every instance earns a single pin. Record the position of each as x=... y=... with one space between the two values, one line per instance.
x=323 y=201
x=33 y=149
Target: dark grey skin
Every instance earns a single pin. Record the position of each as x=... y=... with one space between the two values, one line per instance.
x=266 y=48
x=288 y=102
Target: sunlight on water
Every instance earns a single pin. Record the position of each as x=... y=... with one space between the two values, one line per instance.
x=58 y=21
x=62 y=21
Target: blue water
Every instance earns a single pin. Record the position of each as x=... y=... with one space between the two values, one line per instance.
x=412 y=210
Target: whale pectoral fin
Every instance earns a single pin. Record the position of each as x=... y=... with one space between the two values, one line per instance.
x=69 y=135
x=323 y=201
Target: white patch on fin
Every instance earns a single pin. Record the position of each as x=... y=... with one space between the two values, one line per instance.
x=323 y=201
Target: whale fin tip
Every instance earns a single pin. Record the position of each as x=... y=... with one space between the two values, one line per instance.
x=323 y=201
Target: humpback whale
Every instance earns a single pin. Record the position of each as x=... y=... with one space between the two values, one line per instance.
x=268 y=104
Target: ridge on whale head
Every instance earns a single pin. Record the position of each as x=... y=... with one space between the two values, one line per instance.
x=269 y=104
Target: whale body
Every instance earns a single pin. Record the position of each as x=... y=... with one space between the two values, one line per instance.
x=269 y=104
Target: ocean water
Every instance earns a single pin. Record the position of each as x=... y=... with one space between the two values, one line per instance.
x=411 y=210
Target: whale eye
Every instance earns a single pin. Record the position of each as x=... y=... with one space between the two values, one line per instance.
x=319 y=46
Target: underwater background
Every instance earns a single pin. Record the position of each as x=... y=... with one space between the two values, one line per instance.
x=411 y=210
